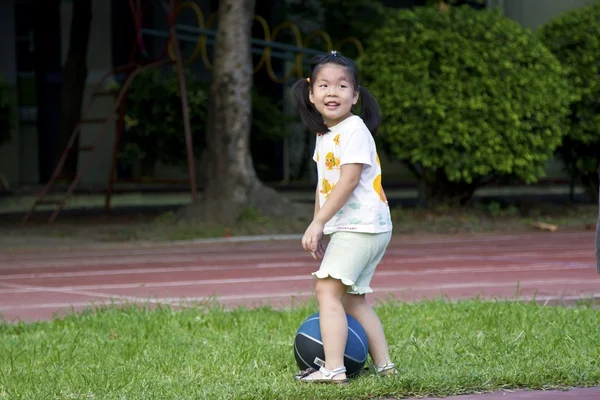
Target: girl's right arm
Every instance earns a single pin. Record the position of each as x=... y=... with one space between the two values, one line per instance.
x=317 y=203
x=320 y=246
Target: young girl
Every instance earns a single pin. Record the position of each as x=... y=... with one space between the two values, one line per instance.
x=350 y=205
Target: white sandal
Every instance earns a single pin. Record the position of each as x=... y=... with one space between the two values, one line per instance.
x=387 y=369
x=327 y=375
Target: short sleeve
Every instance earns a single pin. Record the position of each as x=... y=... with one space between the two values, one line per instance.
x=356 y=148
x=316 y=151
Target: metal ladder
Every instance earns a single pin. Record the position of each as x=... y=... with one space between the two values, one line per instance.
x=132 y=70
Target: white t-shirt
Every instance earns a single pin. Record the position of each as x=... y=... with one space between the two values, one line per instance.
x=367 y=209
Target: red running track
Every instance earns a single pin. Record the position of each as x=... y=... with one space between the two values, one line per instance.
x=545 y=266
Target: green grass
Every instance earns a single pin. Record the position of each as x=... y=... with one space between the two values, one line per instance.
x=206 y=352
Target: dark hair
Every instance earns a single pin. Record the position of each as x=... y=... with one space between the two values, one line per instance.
x=369 y=109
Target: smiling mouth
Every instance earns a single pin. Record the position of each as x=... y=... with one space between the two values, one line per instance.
x=332 y=104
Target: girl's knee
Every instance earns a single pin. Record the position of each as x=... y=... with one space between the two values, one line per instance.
x=330 y=288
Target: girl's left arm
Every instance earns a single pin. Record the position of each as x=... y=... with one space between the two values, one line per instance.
x=349 y=178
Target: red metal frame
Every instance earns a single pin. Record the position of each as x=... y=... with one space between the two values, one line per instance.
x=132 y=70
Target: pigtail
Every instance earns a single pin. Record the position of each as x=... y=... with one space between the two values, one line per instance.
x=310 y=116
x=369 y=110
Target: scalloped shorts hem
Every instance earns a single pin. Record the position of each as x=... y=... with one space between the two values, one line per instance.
x=352 y=288
x=352 y=258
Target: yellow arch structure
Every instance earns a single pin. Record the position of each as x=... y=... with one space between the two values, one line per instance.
x=201 y=48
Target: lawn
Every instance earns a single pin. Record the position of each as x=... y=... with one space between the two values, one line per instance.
x=206 y=352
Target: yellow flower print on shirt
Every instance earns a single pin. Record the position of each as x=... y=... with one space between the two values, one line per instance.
x=377 y=185
x=379 y=189
x=326 y=187
x=331 y=161
x=336 y=139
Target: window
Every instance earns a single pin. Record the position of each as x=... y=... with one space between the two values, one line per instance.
x=25 y=50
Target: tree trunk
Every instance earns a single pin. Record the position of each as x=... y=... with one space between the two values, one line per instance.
x=74 y=77
x=581 y=162
x=591 y=184
x=438 y=191
x=231 y=183
x=435 y=190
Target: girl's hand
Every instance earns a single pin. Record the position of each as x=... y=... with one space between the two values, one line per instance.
x=313 y=239
x=320 y=250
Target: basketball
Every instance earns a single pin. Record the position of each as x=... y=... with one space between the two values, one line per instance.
x=308 y=345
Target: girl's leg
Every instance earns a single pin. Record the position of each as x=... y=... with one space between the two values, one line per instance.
x=357 y=306
x=333 y=323
x=346 y=258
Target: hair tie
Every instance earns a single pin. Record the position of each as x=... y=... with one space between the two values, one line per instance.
x=333 y=53
x=308 y=80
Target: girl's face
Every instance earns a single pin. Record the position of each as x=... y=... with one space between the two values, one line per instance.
x=332 y=93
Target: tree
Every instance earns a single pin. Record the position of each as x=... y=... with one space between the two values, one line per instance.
x=74 y=77
x=231 y=184
x=467 y=96
x=574 y=38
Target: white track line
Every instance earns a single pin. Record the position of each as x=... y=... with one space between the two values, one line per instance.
x=84 y=289
x=62 y=306
x=507 y=263
x=483 y=269
x=194 y=246
x=225 y=254
x=103 y=260
x=391 y=257
x=391 y=289
x=474 y=243
x=150 y=254
x=271 y=295
x=158 y=270
x=69 y=291
x=426 y=286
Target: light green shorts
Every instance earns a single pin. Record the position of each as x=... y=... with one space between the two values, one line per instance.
x=352 y=257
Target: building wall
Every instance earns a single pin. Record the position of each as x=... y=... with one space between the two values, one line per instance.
x=533 y=13
x=99 y=63
x=19 y=158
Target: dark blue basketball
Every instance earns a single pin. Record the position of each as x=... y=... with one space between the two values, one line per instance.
x=308 y=345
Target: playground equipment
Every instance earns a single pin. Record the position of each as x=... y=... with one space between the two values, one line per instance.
x=267 y=48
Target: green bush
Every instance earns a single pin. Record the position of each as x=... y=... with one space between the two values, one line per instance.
x=6 y=116
x=574 y=37
x=467 y=97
